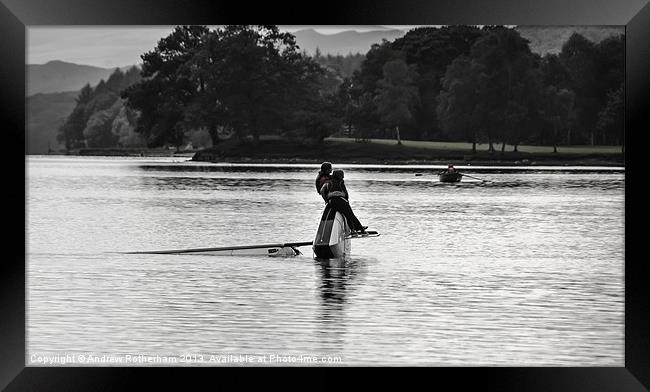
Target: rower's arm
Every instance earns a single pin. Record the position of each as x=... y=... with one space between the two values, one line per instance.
x=324 y=191
x=318 y=183
x=345 y=190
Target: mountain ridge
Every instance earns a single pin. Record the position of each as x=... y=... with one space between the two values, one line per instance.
x=58 y=76
x=63 y=76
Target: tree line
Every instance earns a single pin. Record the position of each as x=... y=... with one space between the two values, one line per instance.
x=100 y=118
x=454 y=83
x=463 y=83
x=237 y=81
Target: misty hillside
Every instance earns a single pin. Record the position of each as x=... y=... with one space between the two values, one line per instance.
x=343 y=43
x=45 y=113
x=549 y=39
x=59 y=76
x=543 y=39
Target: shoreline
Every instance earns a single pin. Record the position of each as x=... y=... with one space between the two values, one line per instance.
x=558 y=163
x=531 y=161
x=288 y=152
x=391 y=154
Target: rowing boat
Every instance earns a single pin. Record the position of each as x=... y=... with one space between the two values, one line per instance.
x=274 y=250
x=333 y=236
x=450 y=177
x=332 y=242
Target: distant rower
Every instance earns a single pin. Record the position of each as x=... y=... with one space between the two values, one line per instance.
x=450 y=174
x=450 y=169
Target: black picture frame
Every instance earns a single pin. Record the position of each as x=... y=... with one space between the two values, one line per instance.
x=16 y=15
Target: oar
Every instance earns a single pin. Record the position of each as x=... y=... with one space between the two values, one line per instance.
x=429 y=174
x=223 y=248
x=465 y=175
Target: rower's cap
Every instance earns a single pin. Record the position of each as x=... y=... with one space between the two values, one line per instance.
x=450 y=165
x=338 y=174
x=326 y=167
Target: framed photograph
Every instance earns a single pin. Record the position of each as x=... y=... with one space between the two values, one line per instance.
x=471 y=205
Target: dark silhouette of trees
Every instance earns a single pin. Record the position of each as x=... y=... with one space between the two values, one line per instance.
x=461 y=104
x=92 y=121
x=454 y=83
x=430 y=51
x=611 y=123
x=558 y=114
x=397 y=95
x=250 y=80
x=160 y=98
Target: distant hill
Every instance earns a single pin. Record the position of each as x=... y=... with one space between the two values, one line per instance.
x=549 y=39
x=59 y=76
x=543 y=39
x=344 y=42
x=45 y=113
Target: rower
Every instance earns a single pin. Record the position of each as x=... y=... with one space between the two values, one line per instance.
x=450 y=169
x=324 y=175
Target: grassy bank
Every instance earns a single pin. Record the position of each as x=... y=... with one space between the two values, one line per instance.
x=388 y=152
x=130 y=152
x=467 y=147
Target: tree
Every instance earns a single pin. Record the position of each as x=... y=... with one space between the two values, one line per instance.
x=511 y=89
x=462 y=103
x=611 y=66
x=363 y=115
x=90 y=121
x=316 y=119
x=164 y=91
x=252 y=78
x=611 y=120
x=397 y=95
x=249 y=80
x=131 y=77
x=371 y=72
x=71 y=132
x=553 y=72
x=85 y=95
x=344 y=105
x=344 y=66
x=558 y=112
x=580 y=58
x=98 y=130
x=611 y=61
x=431 y=50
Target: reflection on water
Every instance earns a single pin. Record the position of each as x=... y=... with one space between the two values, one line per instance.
x=519 y=268
x=335 y=278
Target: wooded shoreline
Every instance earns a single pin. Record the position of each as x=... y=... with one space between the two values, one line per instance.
x=373 y=153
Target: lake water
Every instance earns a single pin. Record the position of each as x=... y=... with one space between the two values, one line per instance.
x=525 y=269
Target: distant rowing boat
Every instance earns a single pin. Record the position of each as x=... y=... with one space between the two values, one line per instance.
x=450 y=177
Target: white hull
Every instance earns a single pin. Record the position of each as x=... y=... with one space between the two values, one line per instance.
x=273 y=250
x=332 y=237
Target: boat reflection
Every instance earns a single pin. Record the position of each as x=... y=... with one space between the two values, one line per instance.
x=338 y=279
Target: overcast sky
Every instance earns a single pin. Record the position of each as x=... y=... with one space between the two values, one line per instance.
x=119 y=46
